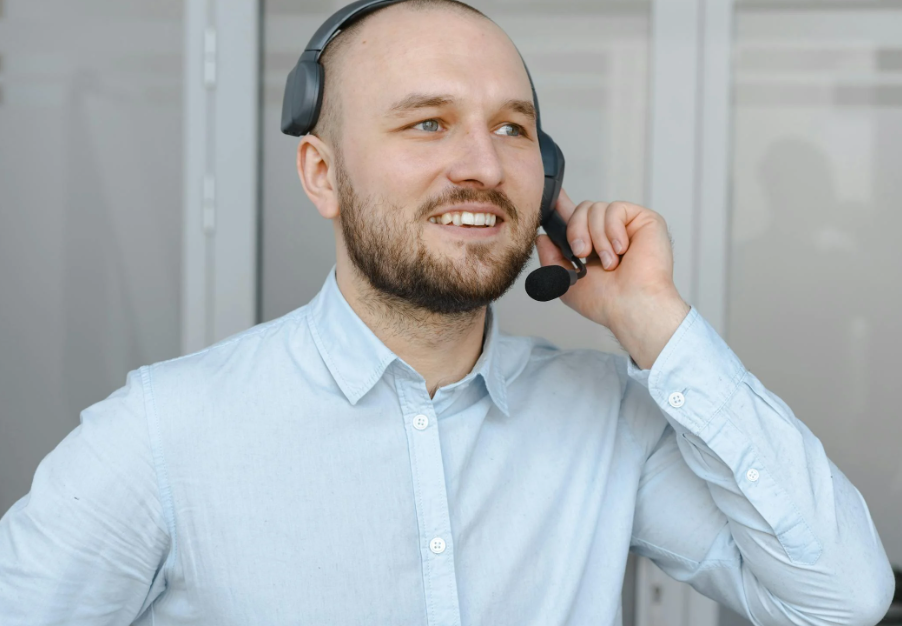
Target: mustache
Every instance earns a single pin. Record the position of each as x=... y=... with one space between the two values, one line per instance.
x=458 y=195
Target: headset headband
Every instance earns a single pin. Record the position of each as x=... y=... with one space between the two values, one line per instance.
x=321 y=38
x=342 y=18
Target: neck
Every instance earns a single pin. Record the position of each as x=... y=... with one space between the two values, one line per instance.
x=442 y=348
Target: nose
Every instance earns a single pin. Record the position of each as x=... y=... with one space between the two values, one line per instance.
x=476 y=163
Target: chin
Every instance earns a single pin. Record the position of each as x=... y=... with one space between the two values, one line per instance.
x=473 y=264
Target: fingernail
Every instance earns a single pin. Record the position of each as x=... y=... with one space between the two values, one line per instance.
x=577 y=246
x=607 y=259
x=616 y=244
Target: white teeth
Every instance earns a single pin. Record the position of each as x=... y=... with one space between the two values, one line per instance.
x=464 y=218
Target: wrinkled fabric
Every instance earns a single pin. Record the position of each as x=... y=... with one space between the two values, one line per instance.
x=300 y=473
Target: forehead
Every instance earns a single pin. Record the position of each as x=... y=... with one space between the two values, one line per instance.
x=402 y=50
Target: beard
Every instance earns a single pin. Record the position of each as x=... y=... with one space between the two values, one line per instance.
x=393 y=257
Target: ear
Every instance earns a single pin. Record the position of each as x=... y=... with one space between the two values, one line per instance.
x=315 y=159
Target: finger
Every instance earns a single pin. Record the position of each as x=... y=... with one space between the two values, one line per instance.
x=600 y=241
x=616 y=218
x=550 y=254
x=578 y=230
x=564 y=205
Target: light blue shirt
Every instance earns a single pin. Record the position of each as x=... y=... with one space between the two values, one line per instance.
x=299 y=473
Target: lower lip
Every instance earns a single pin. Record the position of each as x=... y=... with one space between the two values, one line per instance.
x=477 y=232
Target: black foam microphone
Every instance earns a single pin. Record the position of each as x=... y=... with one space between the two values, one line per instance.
x=553 y=281
x=549 y=282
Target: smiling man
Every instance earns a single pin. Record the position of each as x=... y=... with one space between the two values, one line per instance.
x=383 y=455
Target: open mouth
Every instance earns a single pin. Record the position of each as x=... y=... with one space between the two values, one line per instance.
x=466 y=219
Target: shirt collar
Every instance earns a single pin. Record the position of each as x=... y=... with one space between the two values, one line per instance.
x=357 y=359
x=489 y=364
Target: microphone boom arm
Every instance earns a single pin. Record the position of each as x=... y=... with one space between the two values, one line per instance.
x=556 y=229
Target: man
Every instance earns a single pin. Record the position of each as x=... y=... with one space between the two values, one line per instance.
x=384 y=456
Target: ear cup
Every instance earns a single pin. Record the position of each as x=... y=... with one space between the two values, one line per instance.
x=553 y=163
x=552 y=221
x=549 y=195
x=303 y=96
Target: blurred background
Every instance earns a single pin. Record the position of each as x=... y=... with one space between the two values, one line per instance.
x=149 y=204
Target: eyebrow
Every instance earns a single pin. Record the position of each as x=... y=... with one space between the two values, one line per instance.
x=417 y=101
x=524 y=107
x=420 y=101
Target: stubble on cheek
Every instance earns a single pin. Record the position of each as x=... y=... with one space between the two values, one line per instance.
x=390 y=250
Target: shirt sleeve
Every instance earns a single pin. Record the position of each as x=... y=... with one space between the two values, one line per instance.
x=86 y=545
x=738 y=498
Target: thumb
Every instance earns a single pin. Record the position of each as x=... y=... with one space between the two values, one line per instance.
x=550 y=254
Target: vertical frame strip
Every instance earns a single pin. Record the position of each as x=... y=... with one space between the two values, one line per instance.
x=222 y=50
x=673 y=128
x=194 y=247
x=236 y=138
x=713 y=223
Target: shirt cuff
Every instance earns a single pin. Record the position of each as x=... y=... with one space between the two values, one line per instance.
x=694 y=376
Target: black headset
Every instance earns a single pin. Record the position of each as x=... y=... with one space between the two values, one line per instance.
x=304 y=98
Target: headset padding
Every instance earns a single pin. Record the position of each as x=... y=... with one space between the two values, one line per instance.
x=303 y=97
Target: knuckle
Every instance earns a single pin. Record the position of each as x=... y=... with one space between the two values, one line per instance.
x=577 y=224
x=618 y=208
x=652 y=213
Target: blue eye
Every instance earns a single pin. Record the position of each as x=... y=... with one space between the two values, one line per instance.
x=516 y=130
x=429 y=126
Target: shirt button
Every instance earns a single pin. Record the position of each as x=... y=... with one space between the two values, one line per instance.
x=420 y=422
x=676 y=399
x=437 y=545
x=752 y=475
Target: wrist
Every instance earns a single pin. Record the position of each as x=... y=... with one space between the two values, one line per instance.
x=645 y=325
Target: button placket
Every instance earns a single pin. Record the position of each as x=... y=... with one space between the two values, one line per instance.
x=430 y=499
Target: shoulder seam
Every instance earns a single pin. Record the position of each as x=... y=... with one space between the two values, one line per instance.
x=251 y=332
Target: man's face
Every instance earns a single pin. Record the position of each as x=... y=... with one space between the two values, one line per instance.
x=437 y=126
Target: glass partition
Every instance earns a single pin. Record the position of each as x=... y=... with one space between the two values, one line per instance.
x=816 y=269
x=90 y=211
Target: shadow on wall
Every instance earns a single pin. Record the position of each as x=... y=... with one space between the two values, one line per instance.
x=803 y=280
x=820 y=287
